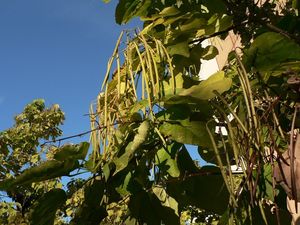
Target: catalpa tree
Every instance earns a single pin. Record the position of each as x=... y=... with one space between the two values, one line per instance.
x=152 y=104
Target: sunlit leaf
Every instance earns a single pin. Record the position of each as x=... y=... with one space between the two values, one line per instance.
x=70 y=151
x=45 y=171
x=141 y=136
x=181 y=83
x=269 y=50
x=186 y=132
x=205 y=90
x=142 y=104
x=106 y=171
x=165 y=158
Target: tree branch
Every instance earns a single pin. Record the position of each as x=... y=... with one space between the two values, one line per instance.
x=80 y=134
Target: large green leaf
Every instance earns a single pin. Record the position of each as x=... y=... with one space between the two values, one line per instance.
x=210 y=52
x=140 y=105
x=165 y=159
x=185 y=162
x=70 y=151
x=270 y=50
x=204 y=189
x=141 y=136
x=123 y=188
x=46 y=207
x=181 y=48
x=169 y=11
x=91 y=212
x=205 y=89
x=47 y=170
x=253 y=215
x=153 y=208
x=170 y=86
x=174 y=113
x=179 y=124
x=168 y=209
x=188 y=90
x=192 y=24
x=192 y=63
x=186 y=132
x=265 y=185
x=127 y=9
x=143 y=208
x=216 y=23
x=215 y=6
x=209 y=155
x=165 y=199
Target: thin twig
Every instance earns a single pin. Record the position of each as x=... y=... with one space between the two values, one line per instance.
x=79 y=135
x=292 y=157
x=204 y=37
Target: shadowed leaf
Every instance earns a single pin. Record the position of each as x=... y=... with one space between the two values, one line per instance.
x=45 y=210
x=91 y=212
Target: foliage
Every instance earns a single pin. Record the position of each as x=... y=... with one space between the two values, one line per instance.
x=152 y=104
x=19 y=144
x=30 y=171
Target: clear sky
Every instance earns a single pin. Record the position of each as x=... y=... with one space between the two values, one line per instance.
x=56 y=50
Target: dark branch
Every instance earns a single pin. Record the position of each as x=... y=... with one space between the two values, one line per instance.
x=204 y=37
x=80 y=134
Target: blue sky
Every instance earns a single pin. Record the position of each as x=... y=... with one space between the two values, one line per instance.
x=56 y=50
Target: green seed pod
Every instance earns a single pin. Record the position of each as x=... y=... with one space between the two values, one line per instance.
x=141 y=135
